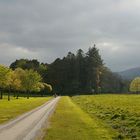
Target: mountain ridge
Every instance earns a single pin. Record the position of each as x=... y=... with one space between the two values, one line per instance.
x=130 y=74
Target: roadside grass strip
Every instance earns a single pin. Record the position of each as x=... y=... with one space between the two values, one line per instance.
x=120 y=112
x=69 y=122
x=11 y=109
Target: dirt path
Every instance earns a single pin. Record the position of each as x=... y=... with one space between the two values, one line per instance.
x=28 y=125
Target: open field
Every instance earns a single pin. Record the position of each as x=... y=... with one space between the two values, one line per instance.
x=120 y=112
x=87 y=117
x=16 y=107
x=69 y=122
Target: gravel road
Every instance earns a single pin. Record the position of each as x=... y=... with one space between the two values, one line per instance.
x=29 y=124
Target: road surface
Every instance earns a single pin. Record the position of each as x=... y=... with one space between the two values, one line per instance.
x=27 y=126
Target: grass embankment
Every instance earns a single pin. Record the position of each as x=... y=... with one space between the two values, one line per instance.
x=16 y=107
x=121 y=112
x=69 y=122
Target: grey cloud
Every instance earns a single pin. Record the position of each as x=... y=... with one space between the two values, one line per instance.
x=47 y=29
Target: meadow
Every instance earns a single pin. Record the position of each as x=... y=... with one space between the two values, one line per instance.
x=11 y=109
x=119 y=112
x=85 y=117
x=70 y=122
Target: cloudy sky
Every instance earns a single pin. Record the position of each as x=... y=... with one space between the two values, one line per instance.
x=47 y=29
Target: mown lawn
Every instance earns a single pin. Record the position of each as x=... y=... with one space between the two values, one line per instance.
x=16 y=107
x=69 y=122
x=121 y=112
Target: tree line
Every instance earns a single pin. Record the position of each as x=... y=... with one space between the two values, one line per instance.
x=84 y=73
x=20 y=81
x=80 y=73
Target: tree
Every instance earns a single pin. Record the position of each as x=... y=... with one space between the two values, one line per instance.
x=4 y=79
x=135 y=85
x=76 y=73
x=34 y=64
x=94 y=65
x=111 y=82
x=15 y=82
x=30 y=81
x=80 y=72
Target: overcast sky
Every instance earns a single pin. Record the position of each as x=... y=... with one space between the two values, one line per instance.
x=47 y=29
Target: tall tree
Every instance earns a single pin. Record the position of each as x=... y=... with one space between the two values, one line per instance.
x=80 y=70
x=94 y=65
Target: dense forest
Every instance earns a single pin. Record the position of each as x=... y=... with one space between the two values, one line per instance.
x=80 y=73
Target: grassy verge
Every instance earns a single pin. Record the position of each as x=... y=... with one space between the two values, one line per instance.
x=16 y=107
x=69 y=122
x=121 y=112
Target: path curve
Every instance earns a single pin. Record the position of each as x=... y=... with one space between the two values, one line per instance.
x=27 y=126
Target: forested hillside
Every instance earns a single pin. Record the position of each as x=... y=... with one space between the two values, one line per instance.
x=130 y=73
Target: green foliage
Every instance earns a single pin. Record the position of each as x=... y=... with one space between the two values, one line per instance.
x=40 y=86
x=30 y=80
x=14 y=80
x=20 y=75
x=135 y=85
x=121 y=112
x=48 y=87
x=75 y=73
x=83 y=73
x=26 y=64
x=94 y=65
x=5 y=80
x=4 y=76
x=111 y=82
x=20 y=80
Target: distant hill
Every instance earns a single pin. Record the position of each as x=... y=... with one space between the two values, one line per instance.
x=130 y=73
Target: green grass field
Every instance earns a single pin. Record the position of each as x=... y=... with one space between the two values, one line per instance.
x=120 y=112
x=69 y=122
x=87 y=117
x=16 y=107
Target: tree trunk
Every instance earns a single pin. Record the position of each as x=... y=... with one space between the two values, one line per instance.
x=1 y=95
x=42 y=93
x=28 y=94
x=9 y=95
x=14 y=94
x=17 y=95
